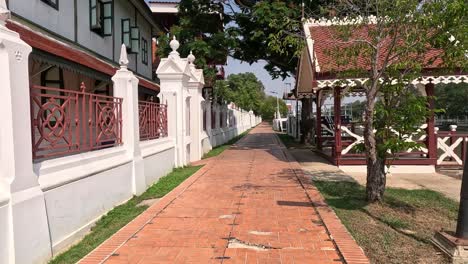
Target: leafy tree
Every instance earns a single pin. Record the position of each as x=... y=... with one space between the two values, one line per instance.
x=244 y=89
x=200 y=29
x=357 y=109
x=247 y=92
x=392 y=39
x=452 y=99
x=270 y=31
x=268 y=108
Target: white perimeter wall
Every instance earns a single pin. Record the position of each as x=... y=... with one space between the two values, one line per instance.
x=5 y=231
x=79 y=189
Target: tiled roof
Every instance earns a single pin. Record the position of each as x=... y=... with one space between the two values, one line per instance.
x=327 y=45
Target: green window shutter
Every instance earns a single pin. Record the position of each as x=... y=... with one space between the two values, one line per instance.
x=95 y=14
x=107 y=18
x=135 y=40
x=126 y=33
x=144 y=51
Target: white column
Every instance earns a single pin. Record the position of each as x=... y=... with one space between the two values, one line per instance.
x=237 y=121
x=126 y=86
x=217 y=108
x=209 y=129
x=174 y=73
x=208 y=115
x=242 y=118
x=23 y=220
x=195 y=88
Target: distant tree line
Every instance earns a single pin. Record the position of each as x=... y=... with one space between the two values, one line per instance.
x=452 y=99
x=247 y=92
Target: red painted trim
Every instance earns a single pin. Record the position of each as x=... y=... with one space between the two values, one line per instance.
x=48 y=45
x=431 y=141
x=319 y=121
x=337 y=121
x=323 y=76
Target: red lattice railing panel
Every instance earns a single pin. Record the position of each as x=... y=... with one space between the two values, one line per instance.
x=152 y=120
x=67 y=122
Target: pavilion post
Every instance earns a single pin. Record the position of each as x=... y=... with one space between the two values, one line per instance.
x=337 y=121
x=318 y=122
x=462 y=222
x=456 y=245
x=431 y=136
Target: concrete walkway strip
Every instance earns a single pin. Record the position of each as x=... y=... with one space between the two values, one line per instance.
x=252 y=204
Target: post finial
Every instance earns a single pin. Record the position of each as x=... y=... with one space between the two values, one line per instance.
x=191 y=58
x=174 y=44
x=123 y=61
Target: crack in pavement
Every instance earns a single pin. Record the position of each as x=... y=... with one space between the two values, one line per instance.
x=236 y=243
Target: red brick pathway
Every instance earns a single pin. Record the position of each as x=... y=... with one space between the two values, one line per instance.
x=252 y=204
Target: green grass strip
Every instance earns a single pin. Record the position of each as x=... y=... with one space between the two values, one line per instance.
x=397 y=230
x=219 y=149
x=118 y=217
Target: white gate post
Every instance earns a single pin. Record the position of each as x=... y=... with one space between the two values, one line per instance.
x=195 y=87
x=126 y=86
x=174 y=73
x=23 y=219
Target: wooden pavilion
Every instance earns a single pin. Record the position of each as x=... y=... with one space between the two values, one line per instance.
x=336 y=135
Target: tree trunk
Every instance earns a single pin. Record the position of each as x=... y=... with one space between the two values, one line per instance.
x=376 y=177
x=376 y=180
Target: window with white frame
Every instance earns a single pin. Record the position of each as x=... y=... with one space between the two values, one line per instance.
x=52 y=3
x=101 y=16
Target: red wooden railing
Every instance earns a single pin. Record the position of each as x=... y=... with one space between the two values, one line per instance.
x=152 y=120
x=67 y=122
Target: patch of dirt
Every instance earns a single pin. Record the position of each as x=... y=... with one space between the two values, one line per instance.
x=149 y=202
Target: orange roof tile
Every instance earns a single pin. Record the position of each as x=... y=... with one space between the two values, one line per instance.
x=327 y=44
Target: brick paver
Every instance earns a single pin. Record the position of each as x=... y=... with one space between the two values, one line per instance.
x=252 y=204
